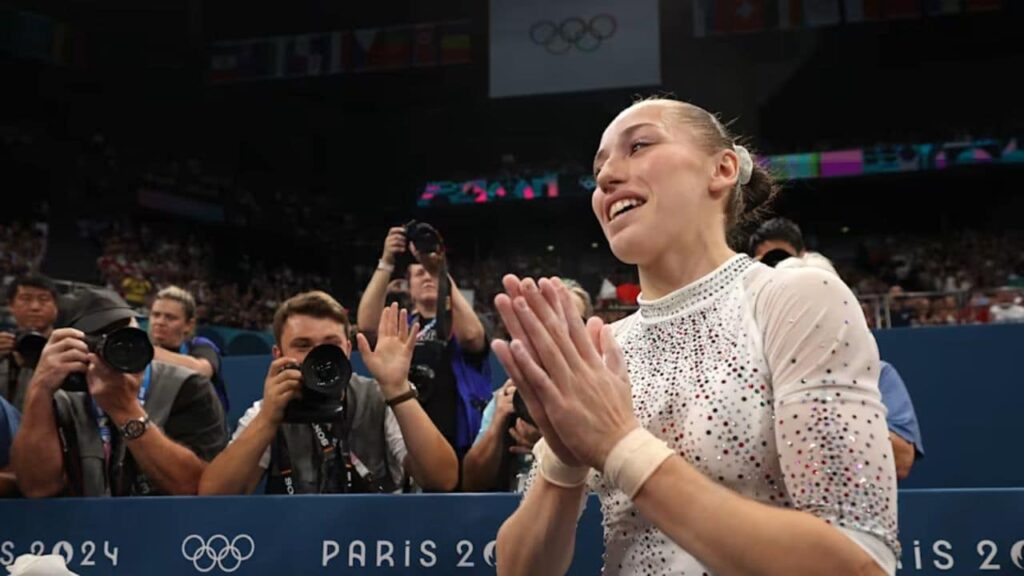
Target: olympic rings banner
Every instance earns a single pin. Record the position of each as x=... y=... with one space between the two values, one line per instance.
x=949 y=532
x=547 y=46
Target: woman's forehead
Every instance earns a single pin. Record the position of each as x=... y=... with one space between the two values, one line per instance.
x=638 y=113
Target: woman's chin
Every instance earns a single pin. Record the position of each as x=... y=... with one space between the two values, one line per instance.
x=627 y=249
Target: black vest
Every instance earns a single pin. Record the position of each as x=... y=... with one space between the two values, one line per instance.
x=367 y=441
x=14 y=381
x=83 y=454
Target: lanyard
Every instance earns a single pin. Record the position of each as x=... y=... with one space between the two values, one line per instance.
x=426 y=328
x=330 y=445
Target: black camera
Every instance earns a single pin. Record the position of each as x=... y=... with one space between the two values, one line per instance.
x=126 y=350
x=520 y=409
x=427 y=359
x=326 y=372
x=29 y=345
x=426 y=238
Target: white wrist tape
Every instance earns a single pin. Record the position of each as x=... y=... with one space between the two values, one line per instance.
x=632 y=461
x=555 y=471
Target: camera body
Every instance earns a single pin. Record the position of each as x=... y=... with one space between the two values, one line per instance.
x=424 y=236
x=521 y=411
x=326 y=372
x=29 y=345
x=126 y=350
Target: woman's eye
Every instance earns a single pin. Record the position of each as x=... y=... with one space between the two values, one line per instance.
x=636 y=146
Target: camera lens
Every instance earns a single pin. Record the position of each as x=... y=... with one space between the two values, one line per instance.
x=326 y=373
x=127 y=350
x=30 y=346
x=325 y=369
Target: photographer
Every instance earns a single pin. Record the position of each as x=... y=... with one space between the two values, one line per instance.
x=33 y=303
x=102 y=419
x=301 y=454
x=172 y=320
x=452 y=370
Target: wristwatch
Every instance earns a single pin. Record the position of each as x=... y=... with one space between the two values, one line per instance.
x=407 y=395
x=132 y=429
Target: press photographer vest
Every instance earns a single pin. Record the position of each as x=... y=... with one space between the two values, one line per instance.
x=14 y=381
x=367 y=441
x=83 y=455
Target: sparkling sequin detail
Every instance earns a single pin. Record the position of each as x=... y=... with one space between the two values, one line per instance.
x=703 y=381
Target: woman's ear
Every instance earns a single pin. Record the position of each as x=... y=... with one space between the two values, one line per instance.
x=725 y=173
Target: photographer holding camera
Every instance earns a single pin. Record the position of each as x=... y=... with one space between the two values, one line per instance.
x=450 y=364
x=322 y=429
x=33 y=303
x=102 y=419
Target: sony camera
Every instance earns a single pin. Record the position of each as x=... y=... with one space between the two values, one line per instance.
x=326 y=372
x=126 y=350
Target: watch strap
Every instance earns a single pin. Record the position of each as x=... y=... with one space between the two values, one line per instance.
x=407 y=395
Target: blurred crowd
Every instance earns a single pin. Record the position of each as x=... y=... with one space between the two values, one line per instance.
x=22 y=248
x=901 y=280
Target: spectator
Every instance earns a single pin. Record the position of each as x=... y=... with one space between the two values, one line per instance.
x=1007 y=308
x=136 y=288
x=172 y=325
x=33 y=303
x=130 y=435
x=900 y=313
x=904 y=431
x=779 y=237
x=265 y=444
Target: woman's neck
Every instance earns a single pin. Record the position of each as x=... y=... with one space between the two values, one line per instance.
x=675 y=269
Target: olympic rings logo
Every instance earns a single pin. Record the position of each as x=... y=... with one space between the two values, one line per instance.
x=584 y=35
x=217 y=552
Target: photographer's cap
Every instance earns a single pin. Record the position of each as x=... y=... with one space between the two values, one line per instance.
x=92 y=309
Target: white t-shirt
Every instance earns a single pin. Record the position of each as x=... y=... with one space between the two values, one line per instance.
x=766 y=381
x=392 y=433
x=1006 y=314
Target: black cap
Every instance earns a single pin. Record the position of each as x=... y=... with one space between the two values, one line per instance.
x=92 y=309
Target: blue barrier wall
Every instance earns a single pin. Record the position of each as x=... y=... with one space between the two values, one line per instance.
x=951 y=532
x=966 y=383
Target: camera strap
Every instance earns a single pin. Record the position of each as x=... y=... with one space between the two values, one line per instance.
x=444 y=303
x=330 y=446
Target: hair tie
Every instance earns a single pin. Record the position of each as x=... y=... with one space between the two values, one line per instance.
x=746 y=164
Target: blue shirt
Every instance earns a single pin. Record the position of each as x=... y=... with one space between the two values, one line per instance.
x=901 y=418
x=485 y=419
x=9 y=422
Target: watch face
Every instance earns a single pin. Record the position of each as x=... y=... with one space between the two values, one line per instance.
x=134 y=428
